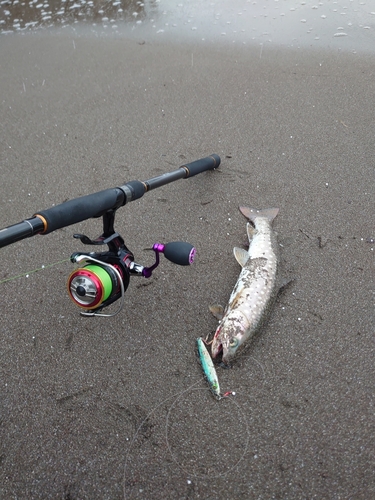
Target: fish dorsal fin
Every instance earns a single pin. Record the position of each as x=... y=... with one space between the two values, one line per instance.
x=251 y=231
x=241 y=255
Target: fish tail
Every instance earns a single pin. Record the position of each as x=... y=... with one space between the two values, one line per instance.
x=253 y=213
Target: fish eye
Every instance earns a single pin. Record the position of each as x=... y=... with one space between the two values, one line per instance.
x=233 y=342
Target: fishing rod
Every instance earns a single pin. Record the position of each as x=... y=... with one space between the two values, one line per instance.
x=103 y=277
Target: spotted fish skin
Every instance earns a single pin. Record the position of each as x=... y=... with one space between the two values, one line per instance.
x=256 y=288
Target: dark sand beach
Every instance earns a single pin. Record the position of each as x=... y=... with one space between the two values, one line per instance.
x=110 y=408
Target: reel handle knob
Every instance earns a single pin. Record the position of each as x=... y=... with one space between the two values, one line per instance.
x=179 y=252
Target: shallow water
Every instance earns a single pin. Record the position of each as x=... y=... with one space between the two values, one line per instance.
x=348 y=24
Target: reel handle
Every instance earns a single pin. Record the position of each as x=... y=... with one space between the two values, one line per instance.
x=178 y=252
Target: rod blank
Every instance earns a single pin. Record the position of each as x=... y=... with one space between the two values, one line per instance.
x=97 y=204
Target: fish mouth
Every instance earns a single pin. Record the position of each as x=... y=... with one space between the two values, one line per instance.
x=218 y=356
x=219 y=351
x=216 y=345
x=216 y=349
x=225 y=363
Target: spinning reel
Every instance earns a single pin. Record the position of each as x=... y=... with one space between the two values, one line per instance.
x=103 y=278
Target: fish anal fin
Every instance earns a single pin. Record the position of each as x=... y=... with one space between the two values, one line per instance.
x=217 y=310
x=241 y=255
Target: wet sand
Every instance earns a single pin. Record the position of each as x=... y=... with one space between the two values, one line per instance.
x=118 y=408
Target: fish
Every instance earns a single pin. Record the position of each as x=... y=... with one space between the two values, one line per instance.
x=208 y=368
x=256 y=288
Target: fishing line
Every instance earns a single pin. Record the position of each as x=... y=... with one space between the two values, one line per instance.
x=26 y=274
x=143 y=422
x=259 y=364
x=177 y=397
x=208 y=476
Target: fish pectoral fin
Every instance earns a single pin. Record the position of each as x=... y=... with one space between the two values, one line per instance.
x=241 y=255
x=217 y=310
x=284 y=284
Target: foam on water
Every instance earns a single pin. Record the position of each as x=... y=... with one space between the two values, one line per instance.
x=349 y=25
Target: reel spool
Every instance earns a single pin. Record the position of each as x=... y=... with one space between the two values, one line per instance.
x=91 y=285
x=97 y=284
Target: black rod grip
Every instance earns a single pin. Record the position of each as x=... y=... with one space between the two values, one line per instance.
x=133 y=190
x=199 y=166
x=79 y=209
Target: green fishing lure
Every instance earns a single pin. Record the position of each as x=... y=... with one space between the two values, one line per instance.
x=208 y=368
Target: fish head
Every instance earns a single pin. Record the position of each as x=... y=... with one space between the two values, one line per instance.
x=228 y=338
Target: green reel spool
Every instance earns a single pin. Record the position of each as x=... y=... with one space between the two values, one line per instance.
x=91 y=285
